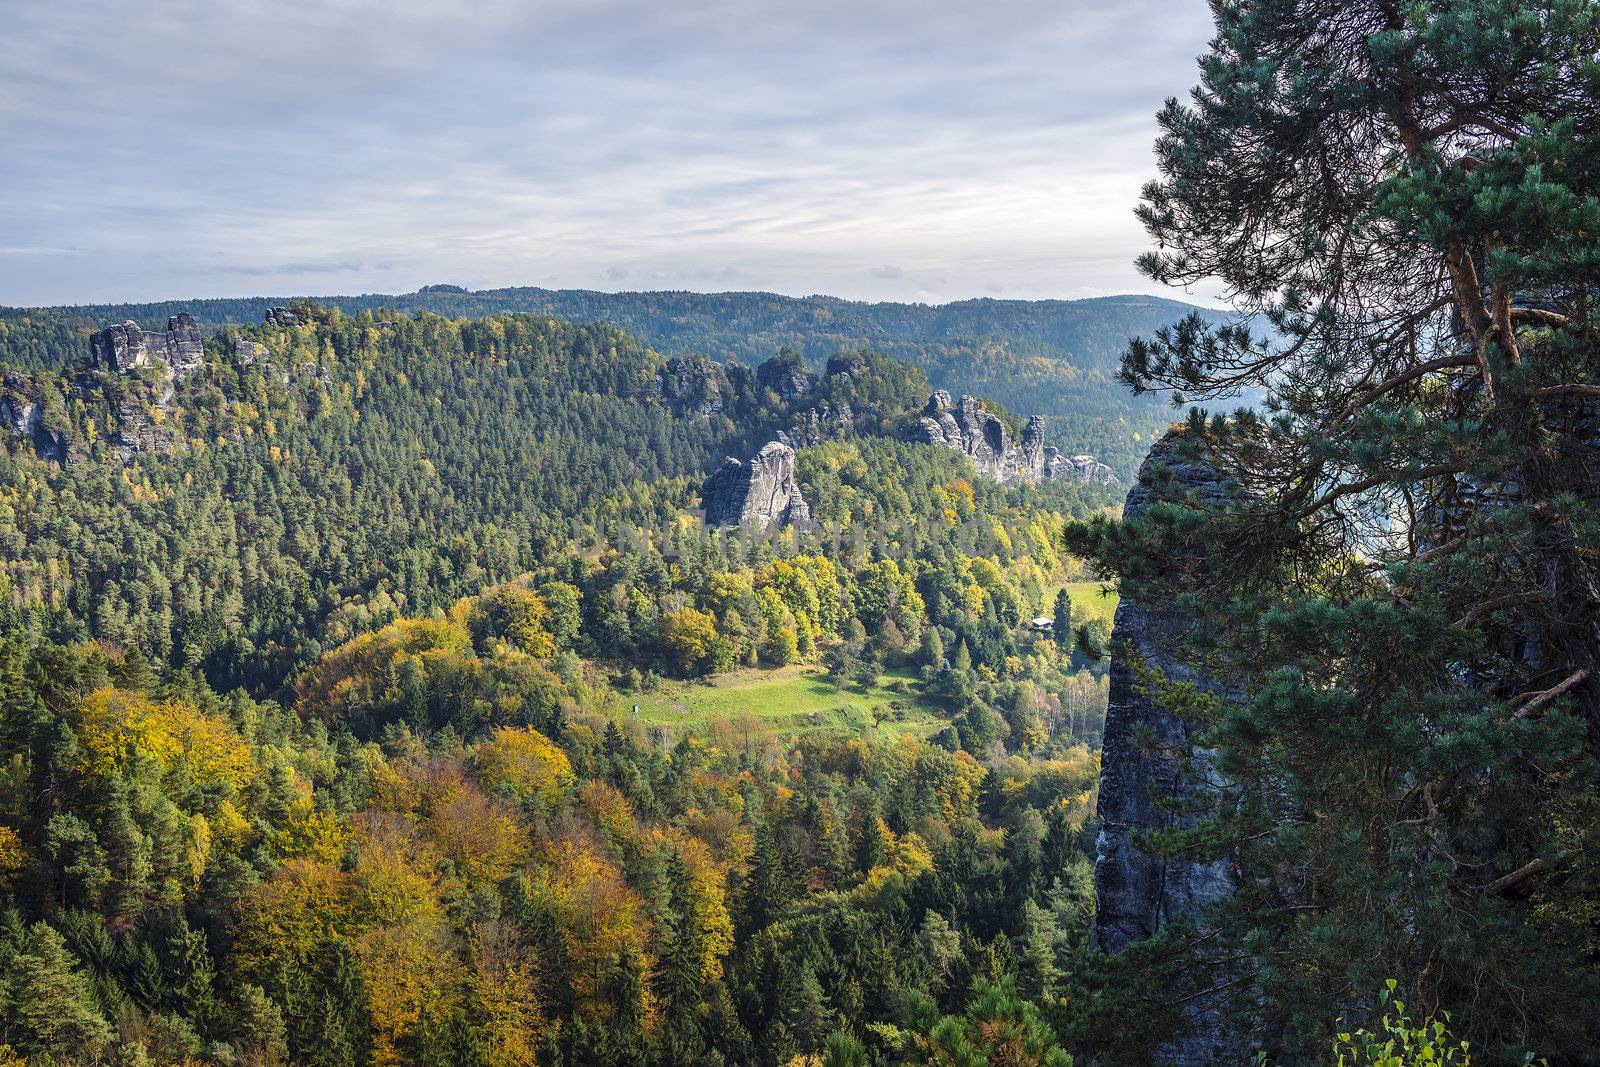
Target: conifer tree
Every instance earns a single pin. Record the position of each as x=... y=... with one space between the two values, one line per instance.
x=1061 y=620
x=1401 y=200
x=49 y=1001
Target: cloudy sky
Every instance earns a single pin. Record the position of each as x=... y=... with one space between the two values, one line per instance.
x=875 y=149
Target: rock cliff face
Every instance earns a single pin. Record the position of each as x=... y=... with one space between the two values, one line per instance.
x=786 y=375
x=23 y=415
x=822 y=421
x=1138 y=894
x=1083 y=468
x=967 y=428
x=139 y=404
x=246 y=353
x=695 y=386
x=124 y=346
x=964 y=426
x=761 y=493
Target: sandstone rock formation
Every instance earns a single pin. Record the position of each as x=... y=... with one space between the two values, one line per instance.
x=124 y=346
x=845 y=365
x=786 y=375
x=964 y=426
x=246 y=353
x=281 y=317
x=967 y=428
x=23 y=415
x=1083 y=468
x=1151 y=756
x=1035 y=455
x=136 y=431
x=761 y=493
x=694 y=386
x=823 y=421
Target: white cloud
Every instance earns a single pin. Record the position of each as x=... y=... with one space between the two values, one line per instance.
x=172 y=149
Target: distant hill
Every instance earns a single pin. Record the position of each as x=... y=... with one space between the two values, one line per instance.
x=1054 y=357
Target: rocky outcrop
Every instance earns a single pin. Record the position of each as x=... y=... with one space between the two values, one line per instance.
x=247 y=353
x=281 y=317
x=120 y=348
x=786 y=375
x=762 y=493
x=1035 y=455
x=125 y=346
x=965 y=426
x=823 y=421
x=23 y=415
x=137 y=432
x=845 y=365
x=1084 y=468
x=1156 y=772
x=696 y=386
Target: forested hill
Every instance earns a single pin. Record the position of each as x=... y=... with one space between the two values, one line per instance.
x=1054 y=357
x=1089 y=333
x=301 y=484
x=322 y=650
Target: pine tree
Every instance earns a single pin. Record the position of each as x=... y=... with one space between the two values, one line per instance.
x=51 y=1010
x=1061 y=621
x=1404 y=198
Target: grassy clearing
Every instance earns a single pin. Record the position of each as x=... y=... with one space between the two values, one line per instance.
x=1090 y=602
x=791 y=700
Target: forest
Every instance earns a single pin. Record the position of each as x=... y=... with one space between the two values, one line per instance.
x=318 y=745
x=374 y=690
x=1057 y=358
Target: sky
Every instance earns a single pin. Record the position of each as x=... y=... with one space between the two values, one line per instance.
x=874 y=149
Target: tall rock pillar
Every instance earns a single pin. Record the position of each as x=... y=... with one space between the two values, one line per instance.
x=1151 y=755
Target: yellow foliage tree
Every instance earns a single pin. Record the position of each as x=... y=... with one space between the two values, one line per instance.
x=504 y=991
x=310 y=833
x=688 y=634
x=707 y=903
x=301 y=904
x=357 y=672
x=477 y=834
x=407 y=969
x=598 y=914
x=116 y=726
x=520 y=616
x=525 y=761
x=13 y=854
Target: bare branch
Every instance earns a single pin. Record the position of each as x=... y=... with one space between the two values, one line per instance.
x=1376 y=480
x=1570 y=389
x=1510 y=881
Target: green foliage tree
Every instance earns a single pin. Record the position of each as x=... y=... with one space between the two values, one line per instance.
x=996 y=1027
x=1061 y=620
x=49 y=1006
x=1404 y=198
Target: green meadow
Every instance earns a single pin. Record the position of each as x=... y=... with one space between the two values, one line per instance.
x=792 y=700
x=1091 y=601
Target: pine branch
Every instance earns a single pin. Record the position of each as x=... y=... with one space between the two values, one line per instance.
x=1440 y=550
x=1517 y=877
x=1421 y=369
x=1548 y=318
x=1570 y=389
x=1376 y=480
x=1574 y=679
x=1488 y=606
